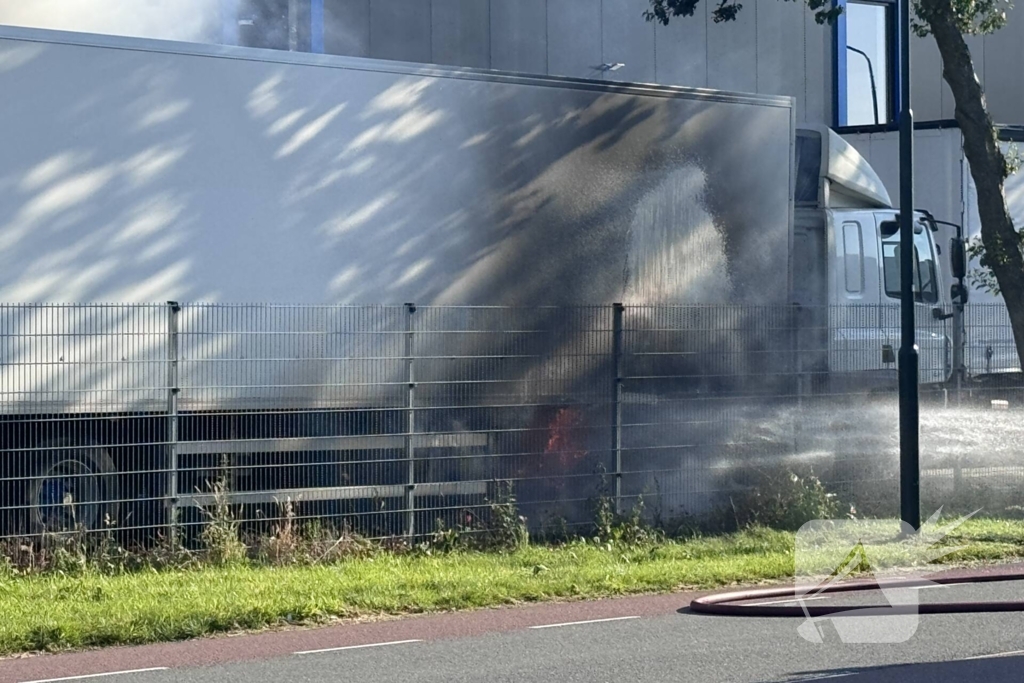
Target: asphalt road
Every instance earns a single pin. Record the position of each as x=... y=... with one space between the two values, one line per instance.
x=667 y=648
x=634 y=639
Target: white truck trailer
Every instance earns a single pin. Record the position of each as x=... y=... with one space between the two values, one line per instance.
x=152 y=172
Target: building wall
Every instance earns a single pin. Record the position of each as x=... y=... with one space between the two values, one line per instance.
x=998 y=63
x=774 y=47
x=938 y=168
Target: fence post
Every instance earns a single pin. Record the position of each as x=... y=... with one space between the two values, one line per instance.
x=617 y=311
x=798 y=366
x=173 y=309
x=410 y=425
x=959 y=346
x=795 y=322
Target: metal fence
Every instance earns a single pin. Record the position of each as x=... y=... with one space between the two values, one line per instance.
x=390 y=420
x=989 y=341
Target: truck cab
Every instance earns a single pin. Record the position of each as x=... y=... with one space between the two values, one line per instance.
x=846 y=272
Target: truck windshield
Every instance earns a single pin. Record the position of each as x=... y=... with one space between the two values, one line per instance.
x=926 y=290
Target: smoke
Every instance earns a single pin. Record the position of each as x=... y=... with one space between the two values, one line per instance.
x=188 y=20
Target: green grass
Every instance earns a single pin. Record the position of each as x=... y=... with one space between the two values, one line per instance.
x=54 y=611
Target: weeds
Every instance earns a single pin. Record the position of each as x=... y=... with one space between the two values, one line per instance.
x=780 y=498
x=777 y=499
x=1004 y=502
x=554 y=529
x=220 y=537
x=72 y=553
x=445 y=539
x=280 y=547
x=503 y=529
x=628 y=530
x=325 y=543
x=605 y=518
x=7 y=570
x=612 y=527
x=506 y=528
x=166 y=553
x=306 y=542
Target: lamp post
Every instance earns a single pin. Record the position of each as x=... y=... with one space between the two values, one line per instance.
x=910 y=470
x=871 y=77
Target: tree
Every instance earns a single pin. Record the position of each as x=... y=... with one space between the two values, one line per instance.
x=947 y=21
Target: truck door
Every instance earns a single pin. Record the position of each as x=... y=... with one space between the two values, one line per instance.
x=856 y=333
x=933 y=337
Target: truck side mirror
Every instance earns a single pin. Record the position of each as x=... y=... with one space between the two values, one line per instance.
x=958 y=258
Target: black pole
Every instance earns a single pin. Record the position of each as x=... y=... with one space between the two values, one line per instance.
x=871 y=77
x=910 y=478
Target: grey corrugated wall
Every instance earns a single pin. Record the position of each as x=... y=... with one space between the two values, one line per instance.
x=774 y=48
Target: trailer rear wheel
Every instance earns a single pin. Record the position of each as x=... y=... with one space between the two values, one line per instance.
x=73 y=485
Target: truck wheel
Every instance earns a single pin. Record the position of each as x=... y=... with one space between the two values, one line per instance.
x=73 y=485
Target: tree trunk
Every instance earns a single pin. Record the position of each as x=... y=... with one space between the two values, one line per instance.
x=988 y=167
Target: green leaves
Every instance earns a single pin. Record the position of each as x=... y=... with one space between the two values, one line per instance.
x=662 y=11
x=973 y=17
x=726 y=11
x=976 y=17
x=981 y=276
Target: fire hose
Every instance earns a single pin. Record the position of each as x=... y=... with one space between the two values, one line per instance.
x=727 y=603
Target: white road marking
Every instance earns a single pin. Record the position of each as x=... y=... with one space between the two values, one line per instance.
x=997 y=654
x=588 y=621
x=109 y=673
x=355 y=647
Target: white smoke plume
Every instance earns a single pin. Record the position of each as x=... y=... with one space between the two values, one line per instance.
x=188 y=20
